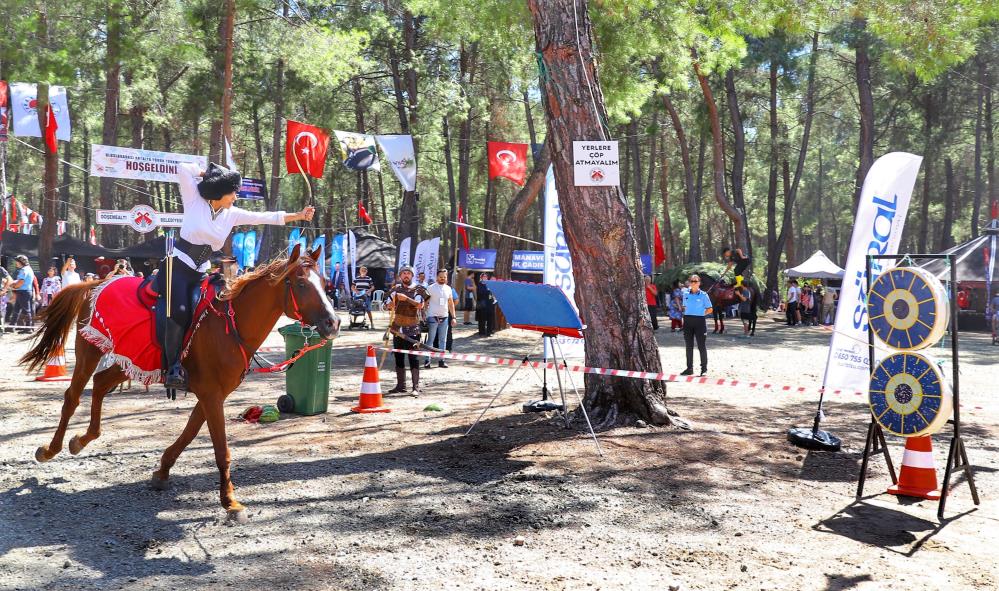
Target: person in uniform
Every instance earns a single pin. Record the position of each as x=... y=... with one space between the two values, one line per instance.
x=209 y=217
x=405 y=302
x=696 y=305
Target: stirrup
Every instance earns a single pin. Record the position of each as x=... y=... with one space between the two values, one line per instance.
x=175 y=378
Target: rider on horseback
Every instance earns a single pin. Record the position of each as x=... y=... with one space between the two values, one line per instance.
x=735 y=258
x=209 y=217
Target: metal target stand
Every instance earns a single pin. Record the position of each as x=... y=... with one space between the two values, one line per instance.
x=957 y=456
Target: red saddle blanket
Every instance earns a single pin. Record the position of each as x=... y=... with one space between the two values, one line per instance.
x=121 y=324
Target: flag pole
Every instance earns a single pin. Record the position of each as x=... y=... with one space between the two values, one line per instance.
x=308 y=185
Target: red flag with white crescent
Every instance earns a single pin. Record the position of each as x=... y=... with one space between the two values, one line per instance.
x=660 y=249
x=461 y=229
x=362 y=213
x=50 y=129
x=508 y=161
x=305 y=150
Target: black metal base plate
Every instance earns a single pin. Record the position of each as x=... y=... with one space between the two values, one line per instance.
x=819 y=441
x=542 y=406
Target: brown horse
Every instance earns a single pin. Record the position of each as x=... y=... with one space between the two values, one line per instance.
x=722 y=296
x=215 y=363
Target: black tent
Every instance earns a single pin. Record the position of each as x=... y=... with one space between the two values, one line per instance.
x=373 y=252
x=12 y=244
x=976 y=266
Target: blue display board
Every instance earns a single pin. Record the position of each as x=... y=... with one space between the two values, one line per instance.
x=536 y=306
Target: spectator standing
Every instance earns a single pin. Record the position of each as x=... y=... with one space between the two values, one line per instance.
x=485 y=313
x=828 y=306
x=69 y=274
x=5 y=281
x=652 y=301
x=469 y=296
x=24 y=281
x=745 y=308
x=422 y=279
x=363 y=286
x=793 y=296
x=676 y=308
x=440 y=314
x=696 y=306
x=51 y=285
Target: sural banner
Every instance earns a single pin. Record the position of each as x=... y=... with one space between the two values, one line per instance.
x=877 y=230
x=142 y=165
x=558 y=263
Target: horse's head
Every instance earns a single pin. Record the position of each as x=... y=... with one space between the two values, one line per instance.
x=306 y=299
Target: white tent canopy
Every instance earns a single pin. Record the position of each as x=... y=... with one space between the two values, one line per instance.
x=818 y=266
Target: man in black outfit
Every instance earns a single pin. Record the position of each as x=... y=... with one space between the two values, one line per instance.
x=740 y=262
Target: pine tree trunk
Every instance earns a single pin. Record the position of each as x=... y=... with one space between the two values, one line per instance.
x=452 y=192
x=718 y=162
x=273 y=237
x=650 y=181
x=950 y=204
x=929 y=153
x=599 y=229
x=979 y=189
x=667 y=230
x=738 y=151
x=689 y=201
x=866 y=101
x=110 y=235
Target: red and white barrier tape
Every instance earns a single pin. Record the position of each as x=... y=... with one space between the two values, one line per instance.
x=621 y=373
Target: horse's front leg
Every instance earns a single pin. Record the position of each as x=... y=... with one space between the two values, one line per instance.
x=215 y=417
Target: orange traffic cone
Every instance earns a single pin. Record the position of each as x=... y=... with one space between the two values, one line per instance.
x=371 y=387
x=918 y=477
x=55 y=368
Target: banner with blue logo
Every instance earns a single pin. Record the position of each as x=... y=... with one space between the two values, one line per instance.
x=477 y=259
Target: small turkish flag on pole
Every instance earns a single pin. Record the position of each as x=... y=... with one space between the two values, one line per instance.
x=508 y=161
x=305 y=151
x=362 y=213
x=461 y=229
x=660 y=251
x=50 y=128
x=93 y=236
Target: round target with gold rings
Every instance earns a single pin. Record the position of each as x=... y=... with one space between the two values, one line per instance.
x=909 y=396
x=908 y=309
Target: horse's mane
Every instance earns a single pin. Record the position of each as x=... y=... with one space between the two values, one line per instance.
x=274 y=271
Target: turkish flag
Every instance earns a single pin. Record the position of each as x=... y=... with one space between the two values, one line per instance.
x=461 y=229
x=508 y=161
x=50 y=128
x=660 y=251
x=362 y=213
x=305 y=150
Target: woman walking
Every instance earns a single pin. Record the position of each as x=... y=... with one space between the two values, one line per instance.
x=696 y=306
x=485 y=314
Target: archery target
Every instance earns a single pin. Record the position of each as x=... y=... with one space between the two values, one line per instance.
x=908 y=308
x=909 y=396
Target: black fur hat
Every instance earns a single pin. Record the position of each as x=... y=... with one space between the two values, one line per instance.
x=219 y=181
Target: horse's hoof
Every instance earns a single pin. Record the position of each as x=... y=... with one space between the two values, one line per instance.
x=158 y=483
x=75 y=445
x=239 y=516
x=42 y=454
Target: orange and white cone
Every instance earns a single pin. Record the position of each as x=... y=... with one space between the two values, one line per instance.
x=918 y=477
x=55 y=368
x=371 y=387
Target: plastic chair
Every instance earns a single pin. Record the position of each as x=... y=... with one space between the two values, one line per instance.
x=377 y=299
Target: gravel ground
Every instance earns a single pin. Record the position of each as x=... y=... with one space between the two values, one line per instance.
x=406 y=501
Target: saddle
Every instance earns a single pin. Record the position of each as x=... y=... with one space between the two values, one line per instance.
x=200 y=297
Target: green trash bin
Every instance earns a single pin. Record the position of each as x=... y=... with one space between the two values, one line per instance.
x=308 y=380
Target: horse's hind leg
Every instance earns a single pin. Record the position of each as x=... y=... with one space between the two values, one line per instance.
x=104 y=382
x=87 y=357
x=170 y=455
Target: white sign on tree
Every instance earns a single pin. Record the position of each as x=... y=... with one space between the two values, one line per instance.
x=596 y=164
x=141 y=218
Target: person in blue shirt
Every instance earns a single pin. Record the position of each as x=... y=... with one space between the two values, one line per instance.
x=696 y=306
x=24 y=290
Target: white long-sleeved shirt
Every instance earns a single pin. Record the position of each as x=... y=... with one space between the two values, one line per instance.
x=202 y=226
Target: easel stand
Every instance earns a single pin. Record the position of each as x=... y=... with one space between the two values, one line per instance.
x=957 y=456
x=560 y=364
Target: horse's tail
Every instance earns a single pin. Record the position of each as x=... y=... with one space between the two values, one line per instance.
x=57 y=319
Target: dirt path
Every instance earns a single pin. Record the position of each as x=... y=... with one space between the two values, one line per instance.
x=406 y=501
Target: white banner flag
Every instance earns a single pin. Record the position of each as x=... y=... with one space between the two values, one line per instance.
x=430 y=266
x=352 y=242
x=402 y=158
x=420 y=258
x=405 y=249
x=558 y=263
x=877 y=230
x=24 y=108
x=143 y=165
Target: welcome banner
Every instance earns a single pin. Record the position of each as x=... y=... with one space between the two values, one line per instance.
x=558 y=263
x=402 y=158
x=142 y=165
x=877 y=230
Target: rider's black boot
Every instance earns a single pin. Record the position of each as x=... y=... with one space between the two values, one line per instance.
x=176 y=376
